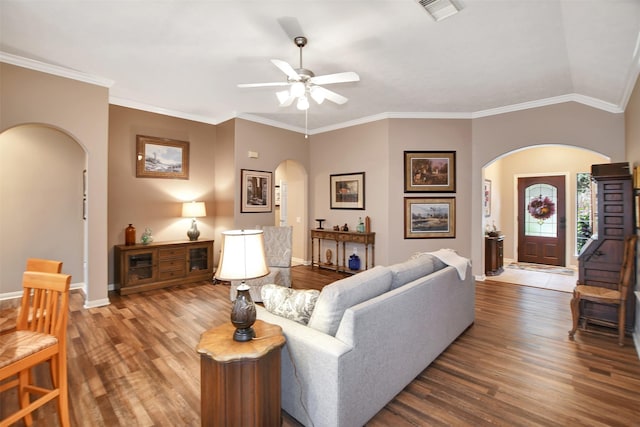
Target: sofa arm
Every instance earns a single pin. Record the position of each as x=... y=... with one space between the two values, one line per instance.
x=312 y=366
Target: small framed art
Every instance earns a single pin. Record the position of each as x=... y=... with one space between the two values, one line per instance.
x=429 y=171
x=347 y=190
x=486 y=197
x=161 y=158
x=429 y=218
x=256 y=191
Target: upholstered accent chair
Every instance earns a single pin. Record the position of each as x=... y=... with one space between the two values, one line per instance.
x=277 y=247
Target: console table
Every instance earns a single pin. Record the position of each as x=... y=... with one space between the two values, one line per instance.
x=344 y=237
x=160 y=264
x=240 y=381
x=493 y=255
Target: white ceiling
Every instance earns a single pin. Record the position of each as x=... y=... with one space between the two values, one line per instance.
x=185 y=58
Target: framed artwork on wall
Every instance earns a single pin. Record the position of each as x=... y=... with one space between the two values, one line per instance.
x=161 y=158
x=347 y=190
x=429 y=218
x=256 y=191
x=486 y=197
x=429 y=171
x=277 y=196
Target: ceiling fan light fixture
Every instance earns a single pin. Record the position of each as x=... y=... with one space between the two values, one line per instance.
x=297 y=89
x=303 y=103
x=282 y=96
x=316 y=94
x=440 y=9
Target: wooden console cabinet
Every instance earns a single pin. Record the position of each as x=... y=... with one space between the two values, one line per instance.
x=344 y=237
x=141 y=268
x=493 y=255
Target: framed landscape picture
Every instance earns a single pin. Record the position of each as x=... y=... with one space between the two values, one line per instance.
x=347 y=190
x=161 y=158
x=256 y=191
x=429 y=171
x=429 y=218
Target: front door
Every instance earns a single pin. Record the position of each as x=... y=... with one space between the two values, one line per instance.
x=541 y=220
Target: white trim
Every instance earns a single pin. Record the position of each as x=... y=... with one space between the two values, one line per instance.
x=97 y=303
x=56 y=70
x=123 y=102
x=481 y=277
x=573 y=97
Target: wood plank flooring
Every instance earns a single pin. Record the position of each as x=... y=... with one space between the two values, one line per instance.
x=133 y=363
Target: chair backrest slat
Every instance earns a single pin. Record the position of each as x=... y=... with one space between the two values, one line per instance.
x=45 y=302
x=44 y=265
x=628 y=260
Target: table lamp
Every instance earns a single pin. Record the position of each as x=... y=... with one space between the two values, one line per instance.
x=242 y=258
x=193 y=210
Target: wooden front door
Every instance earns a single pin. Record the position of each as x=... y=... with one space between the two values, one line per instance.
x=541 y=220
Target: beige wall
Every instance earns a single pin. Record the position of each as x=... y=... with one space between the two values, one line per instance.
x=81 y=111
x=155 y=202
x=569 y=124
x=41 y=173
x=362 y=148
x=545 y=160
x=274 y=146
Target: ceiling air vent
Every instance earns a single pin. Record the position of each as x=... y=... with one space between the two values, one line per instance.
x=440 y=9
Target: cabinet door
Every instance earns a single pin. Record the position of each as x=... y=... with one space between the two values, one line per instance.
x=200 y=259
x=140 y=266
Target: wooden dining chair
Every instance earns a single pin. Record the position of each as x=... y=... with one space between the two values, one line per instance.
x=34 y=342
x=44 y=265
x=33 y=264
x=603 y=295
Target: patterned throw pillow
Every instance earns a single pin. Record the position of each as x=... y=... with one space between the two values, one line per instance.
x=296 y=305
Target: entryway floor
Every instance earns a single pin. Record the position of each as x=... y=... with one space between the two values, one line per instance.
x=556 y=282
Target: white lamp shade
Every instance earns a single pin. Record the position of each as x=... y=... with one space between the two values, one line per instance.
x=242 y=255
x=193 y=209
x=303 y=103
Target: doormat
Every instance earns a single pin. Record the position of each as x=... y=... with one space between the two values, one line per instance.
x=541 y=268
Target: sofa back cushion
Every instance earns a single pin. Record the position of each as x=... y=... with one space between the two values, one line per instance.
x=415 y=267
x=335 y=298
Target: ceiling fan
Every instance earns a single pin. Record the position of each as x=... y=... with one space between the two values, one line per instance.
x=304 y=83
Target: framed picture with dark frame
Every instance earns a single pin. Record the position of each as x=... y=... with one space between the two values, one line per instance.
x=256 y=191
x=429 y=171
x=347 y=190
x=161 y=158
x=486 y=197
x=429 y=218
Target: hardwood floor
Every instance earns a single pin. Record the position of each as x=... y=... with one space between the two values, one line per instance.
x=133 y=363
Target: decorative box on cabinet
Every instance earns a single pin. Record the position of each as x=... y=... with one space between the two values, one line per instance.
x=157 y=265
x=493 y=255
x=600 y=259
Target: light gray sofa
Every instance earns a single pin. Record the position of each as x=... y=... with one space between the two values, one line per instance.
x=369 y=336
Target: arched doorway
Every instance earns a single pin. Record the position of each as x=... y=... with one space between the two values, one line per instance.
x=291 y=180
x=503 y=173
x=43 y=193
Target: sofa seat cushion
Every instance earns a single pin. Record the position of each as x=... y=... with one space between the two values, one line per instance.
x=296 y=305
x=337 y=297
x=419 y=265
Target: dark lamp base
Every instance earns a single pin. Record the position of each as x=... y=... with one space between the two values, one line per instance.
x=244 y=334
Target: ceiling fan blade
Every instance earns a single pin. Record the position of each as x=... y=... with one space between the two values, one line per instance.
x=286 y=68
x=263 y=84
x=348 y=76
x=330 y=95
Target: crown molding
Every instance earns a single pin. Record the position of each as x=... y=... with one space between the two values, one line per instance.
x=573 y=97
x=270 y=122
x=55 y=70
x=123 y=102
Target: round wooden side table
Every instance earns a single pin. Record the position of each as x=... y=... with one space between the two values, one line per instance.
x=240 y=381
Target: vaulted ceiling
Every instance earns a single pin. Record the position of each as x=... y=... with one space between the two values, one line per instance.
x=186 y=58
